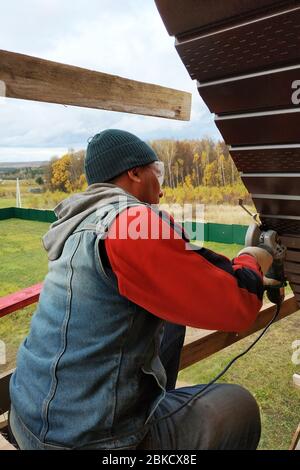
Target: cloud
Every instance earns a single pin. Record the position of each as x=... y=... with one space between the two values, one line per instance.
x=35 y=154
x=117 y=37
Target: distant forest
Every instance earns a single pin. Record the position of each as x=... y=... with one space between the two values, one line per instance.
x=194 y=169
x=198 y=162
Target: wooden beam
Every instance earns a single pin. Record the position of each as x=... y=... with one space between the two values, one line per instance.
x=217 y=340
x=5 y=445
x=31 y=78
x=295 y=444
x=23 y=298
x=4 y=391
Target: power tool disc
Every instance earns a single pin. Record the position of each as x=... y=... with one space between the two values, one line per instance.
x=253 y=235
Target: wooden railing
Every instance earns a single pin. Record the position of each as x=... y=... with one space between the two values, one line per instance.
x=13 y=302
x=215 y=341
x=192 y=352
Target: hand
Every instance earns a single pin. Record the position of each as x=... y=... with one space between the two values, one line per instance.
x=262 y=256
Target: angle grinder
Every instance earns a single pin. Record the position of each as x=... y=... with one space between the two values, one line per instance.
x=275 y=280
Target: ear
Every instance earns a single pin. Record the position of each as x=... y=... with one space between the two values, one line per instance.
x=135 y=174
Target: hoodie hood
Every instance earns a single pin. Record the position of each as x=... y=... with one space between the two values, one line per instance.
x=73 y=210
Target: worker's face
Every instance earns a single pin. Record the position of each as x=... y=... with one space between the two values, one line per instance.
x=144 y=182
x=151 y=181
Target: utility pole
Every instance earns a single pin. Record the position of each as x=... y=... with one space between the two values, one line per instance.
x=18 y=195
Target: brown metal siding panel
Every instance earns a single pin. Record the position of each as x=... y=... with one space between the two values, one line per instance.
x=258 y=93
x=251 y=47
x=297 y=298
x=283 y=226
x=277 y=206
x=293 y=255
x=296 y=288
x=246 y=69
x=267 y=159
x=294 y=278
x=268 y=129
x=292 y=267
x=291 y=242
x=181 y=16
x=287 y=185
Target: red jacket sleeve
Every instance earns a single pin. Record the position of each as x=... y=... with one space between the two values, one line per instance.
x=201 y=288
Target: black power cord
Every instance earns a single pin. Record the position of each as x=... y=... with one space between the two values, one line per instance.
x=278 y=305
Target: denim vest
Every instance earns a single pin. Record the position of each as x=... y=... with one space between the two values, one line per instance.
x=88 y=375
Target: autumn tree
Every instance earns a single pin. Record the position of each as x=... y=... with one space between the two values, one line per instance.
x=200 y=162
x=61 y=174
x=67 y=173
x=166 y=150
x=211 y=174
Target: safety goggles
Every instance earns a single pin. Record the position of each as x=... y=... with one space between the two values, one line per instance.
x=158 y=168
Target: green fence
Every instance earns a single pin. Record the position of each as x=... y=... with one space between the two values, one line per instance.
x=221 y=233
x=27 y=214
x=6 y=213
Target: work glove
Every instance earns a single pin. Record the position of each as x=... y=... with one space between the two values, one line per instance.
x=262 y=254
x=272 y=268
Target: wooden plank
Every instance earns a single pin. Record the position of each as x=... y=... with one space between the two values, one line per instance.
x=217 y=340
x=11 y=303
x=31 y=78
x=5 y=445
x=4 y=391
x=295 y=440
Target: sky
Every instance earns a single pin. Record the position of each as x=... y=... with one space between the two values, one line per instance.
x=120 y=37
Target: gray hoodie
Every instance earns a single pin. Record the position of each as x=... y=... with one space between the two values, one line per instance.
x=73 y=210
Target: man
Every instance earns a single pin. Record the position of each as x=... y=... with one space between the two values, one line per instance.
x=99 y=366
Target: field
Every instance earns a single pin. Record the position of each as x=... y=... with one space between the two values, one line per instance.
x=45 y=200
x=266 y=371
x=217 y=213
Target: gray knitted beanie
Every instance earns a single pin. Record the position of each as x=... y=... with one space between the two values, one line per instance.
x=111 y=152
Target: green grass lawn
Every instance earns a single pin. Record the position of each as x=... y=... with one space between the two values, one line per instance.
x=23 y=262
x=23 y=259
x=266 y=371
x=7 y=202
